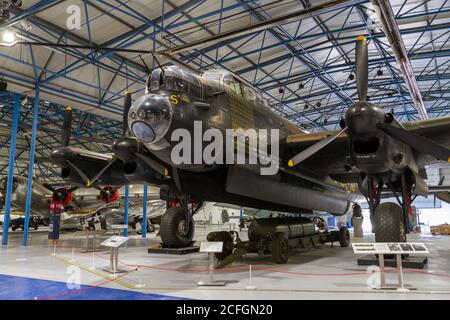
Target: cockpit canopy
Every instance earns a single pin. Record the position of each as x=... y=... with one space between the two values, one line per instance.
x=226 y=78
x=174 y=79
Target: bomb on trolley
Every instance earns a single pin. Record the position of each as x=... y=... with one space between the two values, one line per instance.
x=277 y=236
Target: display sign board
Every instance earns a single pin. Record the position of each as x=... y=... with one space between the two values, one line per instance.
x=212 y=246
x=390 y=248
x=114 y=241
x=119 y=226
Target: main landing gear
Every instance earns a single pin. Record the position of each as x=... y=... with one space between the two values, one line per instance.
x=390 y=220
x=177 y=225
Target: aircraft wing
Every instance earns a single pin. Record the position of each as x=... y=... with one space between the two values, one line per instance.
x=83 y=167
x=330 y=160
x=436 y=129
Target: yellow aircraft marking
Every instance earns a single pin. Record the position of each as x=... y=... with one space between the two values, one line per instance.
x=125 y=284
x=85 y=211
x=174 y=99
x=18 y=213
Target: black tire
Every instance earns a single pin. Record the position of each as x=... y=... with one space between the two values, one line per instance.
x=280 y=248
x=36 y=226
x=103 y=224
x=91 y=224
x=150 y=226
x=173 y=229
x=344 y=237
x=13 y=228
x=388 y=223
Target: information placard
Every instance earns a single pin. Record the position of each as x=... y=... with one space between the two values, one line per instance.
x=390 y=248
x=114 y=241
x=211 y=246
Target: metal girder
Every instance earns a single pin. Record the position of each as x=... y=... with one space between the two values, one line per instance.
x=263 y=25
x=392 y=32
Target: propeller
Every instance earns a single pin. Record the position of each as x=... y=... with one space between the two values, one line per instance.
x=67 y=126
x=362 y=67
x=362 y=80
x=373 y=115
x=126 y=110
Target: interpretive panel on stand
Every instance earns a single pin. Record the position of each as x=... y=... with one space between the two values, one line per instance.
x=114 y=241
x=390 y=248
x=211 y=246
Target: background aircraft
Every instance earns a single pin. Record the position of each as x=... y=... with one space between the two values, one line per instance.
x=81 y=209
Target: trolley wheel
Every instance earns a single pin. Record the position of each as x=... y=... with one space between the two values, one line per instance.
x=280 y=248
x=344 y=237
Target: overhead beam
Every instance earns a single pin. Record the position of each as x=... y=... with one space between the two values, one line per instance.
x=392 y=32
x=266 y=24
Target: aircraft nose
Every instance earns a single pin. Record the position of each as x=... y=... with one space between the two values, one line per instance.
x=150 y=117
x=4 y=182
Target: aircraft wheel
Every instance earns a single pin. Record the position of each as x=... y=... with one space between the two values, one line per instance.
x=36 y=226
x=174 y=230
x=280 y=248
x=13 y=228
x=388 y=223
x=91 y=224
x=344 y=237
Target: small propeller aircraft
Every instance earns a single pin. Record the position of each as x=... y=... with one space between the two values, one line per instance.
x=80 y=210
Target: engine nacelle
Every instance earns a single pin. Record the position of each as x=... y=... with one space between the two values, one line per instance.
x=137 y=171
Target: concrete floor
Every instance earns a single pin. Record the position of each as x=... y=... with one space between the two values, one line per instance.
x=324 y=273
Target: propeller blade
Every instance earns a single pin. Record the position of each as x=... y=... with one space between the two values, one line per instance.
x=80 y=173
x=126 y=110
x=416 y=141
x=67 y=126
x=99 y=174
x=362 y=67
x=308 y=152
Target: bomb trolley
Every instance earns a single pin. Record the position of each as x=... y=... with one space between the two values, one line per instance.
x=277 y=236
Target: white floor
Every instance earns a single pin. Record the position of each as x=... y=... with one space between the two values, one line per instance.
x=324 y=273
